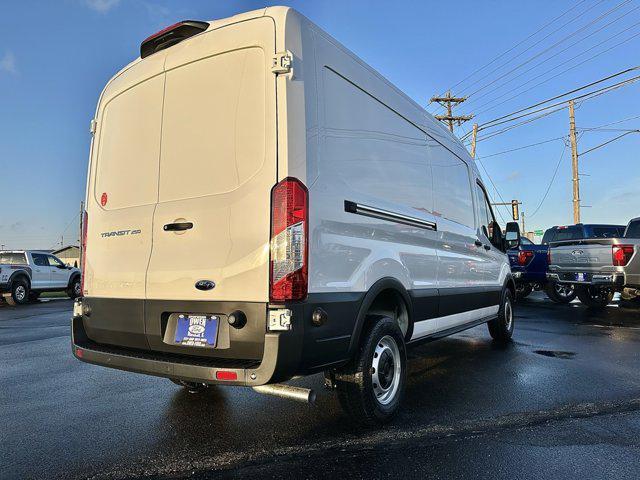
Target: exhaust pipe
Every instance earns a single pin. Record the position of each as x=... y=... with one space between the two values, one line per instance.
x=290 y=392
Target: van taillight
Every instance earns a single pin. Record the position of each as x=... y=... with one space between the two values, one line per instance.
x=289 y=241
x=621 y=254
x=171 y=35
x=83 y=249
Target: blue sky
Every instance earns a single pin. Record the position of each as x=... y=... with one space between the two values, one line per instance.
x=55 y=57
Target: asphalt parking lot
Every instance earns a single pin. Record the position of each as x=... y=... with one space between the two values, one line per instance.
x=563 y=401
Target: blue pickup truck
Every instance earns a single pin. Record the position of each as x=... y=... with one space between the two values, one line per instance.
x=529 y=261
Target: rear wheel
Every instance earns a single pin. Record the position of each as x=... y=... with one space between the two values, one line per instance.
x=192 y=387
x=73 y=291
x=523 y=290
x=370 y=388
x=560 y=292
x=19 y=292
x=595 y=297
x=501 y=328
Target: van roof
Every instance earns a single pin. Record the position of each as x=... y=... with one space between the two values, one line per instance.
x=283 y=14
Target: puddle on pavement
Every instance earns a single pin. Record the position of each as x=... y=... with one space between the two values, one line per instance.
x=556 y=354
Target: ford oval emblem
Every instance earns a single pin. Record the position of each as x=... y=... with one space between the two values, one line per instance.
x=205 y=285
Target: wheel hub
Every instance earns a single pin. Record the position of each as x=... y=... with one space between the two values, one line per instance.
x=508 y=314
x=386 y=370
x=20 y=292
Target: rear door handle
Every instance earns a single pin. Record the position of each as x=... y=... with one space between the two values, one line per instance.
x=487 y=247
x=478 y=243
x=177 y=227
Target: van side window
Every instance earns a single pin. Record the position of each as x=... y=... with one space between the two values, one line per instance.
x=486 y=218
x=452 y=187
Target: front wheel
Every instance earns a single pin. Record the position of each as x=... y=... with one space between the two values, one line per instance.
x=560 y=292
x=595 y=297
x=370 y=388
x=501 y=328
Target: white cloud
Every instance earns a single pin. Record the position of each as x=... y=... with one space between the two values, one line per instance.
x=101 y=6
x=8 y=63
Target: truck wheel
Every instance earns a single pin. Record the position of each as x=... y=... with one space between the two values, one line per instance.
x=370 y=388
x=19 y=292
x=73 y=291
x=595 y=297
x=523 y=290
x=630 y=298
x=192 y=387
x=501 y=328
x=560 y=292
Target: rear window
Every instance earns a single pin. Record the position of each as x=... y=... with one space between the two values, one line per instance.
x=607 y=232
x=12 y=258
x=633 y=230
x=568 y=233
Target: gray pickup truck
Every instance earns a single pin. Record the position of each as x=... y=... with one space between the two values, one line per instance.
x=599 y=267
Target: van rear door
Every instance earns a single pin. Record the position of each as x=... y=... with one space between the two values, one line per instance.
x=217 y=168
x=121 y=197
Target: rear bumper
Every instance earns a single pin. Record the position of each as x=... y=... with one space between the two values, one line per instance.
x=279 y=362
x=614 y=280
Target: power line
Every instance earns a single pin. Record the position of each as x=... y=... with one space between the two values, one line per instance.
x=555 y=172
x=530 y=59
x=609 y=124
x=519 y=124
x=560 y=64
x=521 y=148
x=608 y=142
x=521 y=42
x=495 y=105
x=494 y=187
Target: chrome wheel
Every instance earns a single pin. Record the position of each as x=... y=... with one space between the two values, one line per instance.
x=386 y=370
x=76 y=289
x=20 y=293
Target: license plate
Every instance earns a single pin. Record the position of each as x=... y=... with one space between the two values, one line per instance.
x=580 y=277
x=196 y=330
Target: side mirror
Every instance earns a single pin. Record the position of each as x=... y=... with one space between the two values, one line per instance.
x=512 y=235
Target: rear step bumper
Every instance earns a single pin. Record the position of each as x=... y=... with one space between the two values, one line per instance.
x=615 y=280
x=279 y=363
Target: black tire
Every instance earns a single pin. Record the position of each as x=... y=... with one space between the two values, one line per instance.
x=371 y=387
x=523 y=290
x=630 y=298
x=33 y=296
x=595 y=297
x=191 y=387
x=73 y=290
x=501 y=327
x=560 y=292
x=20 y=291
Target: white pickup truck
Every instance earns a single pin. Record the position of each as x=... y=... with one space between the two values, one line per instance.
x=25 y=274
x=598 y=267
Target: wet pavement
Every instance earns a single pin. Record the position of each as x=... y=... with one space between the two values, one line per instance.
x=563 y=401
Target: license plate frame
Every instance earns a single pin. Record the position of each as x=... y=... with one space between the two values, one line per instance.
x=196 y=330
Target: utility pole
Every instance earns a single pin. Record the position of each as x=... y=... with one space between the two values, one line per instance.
x=574 y=163
x=474 y=136
x=524 y=231
x=449 y=118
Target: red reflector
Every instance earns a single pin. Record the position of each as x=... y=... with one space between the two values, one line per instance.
x=621 y=254
x=79 y=353
x=226 y=375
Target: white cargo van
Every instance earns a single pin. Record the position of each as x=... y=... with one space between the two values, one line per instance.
x=261 y=204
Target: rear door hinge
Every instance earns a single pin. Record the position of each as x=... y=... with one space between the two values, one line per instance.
x=282 y=62
x=92 y=126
